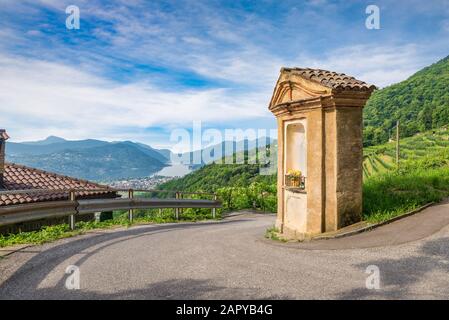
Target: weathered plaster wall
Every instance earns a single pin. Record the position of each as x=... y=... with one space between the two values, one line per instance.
x=330 y=161
x=315 y=172
x=349 y=165
x=296 y=214
x=334 y=170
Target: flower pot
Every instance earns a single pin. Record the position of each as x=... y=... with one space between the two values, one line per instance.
x=295 y=182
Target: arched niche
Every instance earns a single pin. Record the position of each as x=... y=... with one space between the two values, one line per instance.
x=296 y=146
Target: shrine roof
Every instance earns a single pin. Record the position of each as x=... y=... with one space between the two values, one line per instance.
x=331 y=79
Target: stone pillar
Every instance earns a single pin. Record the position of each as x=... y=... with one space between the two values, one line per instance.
x=280 y=181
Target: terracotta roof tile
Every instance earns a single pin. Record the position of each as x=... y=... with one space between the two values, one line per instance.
x=19 y=177
x=330 y=79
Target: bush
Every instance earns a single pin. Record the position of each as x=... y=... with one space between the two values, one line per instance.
x=258 y=196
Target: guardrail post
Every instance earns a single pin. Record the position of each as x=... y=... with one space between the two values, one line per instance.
x=214 y=210
x=131 y=211
x=181 y=196
x=177 y=209
x=72 y=216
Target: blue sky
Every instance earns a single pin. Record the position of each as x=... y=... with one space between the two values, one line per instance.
x=135 y=70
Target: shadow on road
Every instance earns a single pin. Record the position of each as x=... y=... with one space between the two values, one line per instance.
x=399 y=276
x=25 y=281
x=174 y=289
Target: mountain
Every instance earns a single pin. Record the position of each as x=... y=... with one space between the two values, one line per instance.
x=149 y=151
x=48 y=140
x=228 y=148
x=43 y=147
x=108 y=162
x=420 y=103
x=89 y=159
x=101 y=160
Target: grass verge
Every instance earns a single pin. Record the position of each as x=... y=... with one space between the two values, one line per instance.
x=52 y=233
x=394 y=193
x=272 y=233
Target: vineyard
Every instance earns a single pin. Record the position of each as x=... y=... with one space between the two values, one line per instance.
x=382 y=158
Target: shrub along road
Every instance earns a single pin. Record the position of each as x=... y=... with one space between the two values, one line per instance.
x=231 y=259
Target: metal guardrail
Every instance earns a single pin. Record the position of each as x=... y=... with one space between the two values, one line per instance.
x=72 y=207
x=30 y=191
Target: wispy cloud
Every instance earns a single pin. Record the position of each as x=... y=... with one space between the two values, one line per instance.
x=379 y=65
x=138 y=64
x=76 y=104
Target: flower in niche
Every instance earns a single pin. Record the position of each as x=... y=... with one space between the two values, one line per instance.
x=294 y=173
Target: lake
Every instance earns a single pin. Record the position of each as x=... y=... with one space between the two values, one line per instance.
x=174 y=170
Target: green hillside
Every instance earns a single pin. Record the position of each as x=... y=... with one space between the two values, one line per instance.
x=420 y=103
x=426 y=145
x=212 y=177
x=239 y=186
x=422 y=177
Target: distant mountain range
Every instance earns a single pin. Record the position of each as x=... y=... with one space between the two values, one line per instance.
x=105 y=161
x=228 y=149
x=89 y=159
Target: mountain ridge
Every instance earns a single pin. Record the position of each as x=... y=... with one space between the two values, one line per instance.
x=106 y=161
x=88 y=159
x=420 y=103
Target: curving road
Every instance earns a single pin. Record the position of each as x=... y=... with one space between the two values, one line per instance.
x=231 y=260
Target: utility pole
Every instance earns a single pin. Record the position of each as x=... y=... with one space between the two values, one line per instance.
x=397 y=143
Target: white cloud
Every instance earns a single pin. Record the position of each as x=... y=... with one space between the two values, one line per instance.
x=243 y=50
x=40 y=98
x=379 y=65
x=34 y=32
x=445 y=25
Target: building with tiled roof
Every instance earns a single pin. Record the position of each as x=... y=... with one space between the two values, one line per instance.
x=19 y=177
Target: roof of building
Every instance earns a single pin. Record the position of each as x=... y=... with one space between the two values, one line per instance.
x=331 y=79
x=3 y=134
x=19 y=177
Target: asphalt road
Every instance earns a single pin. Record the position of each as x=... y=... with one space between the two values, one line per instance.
x=231 y=260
